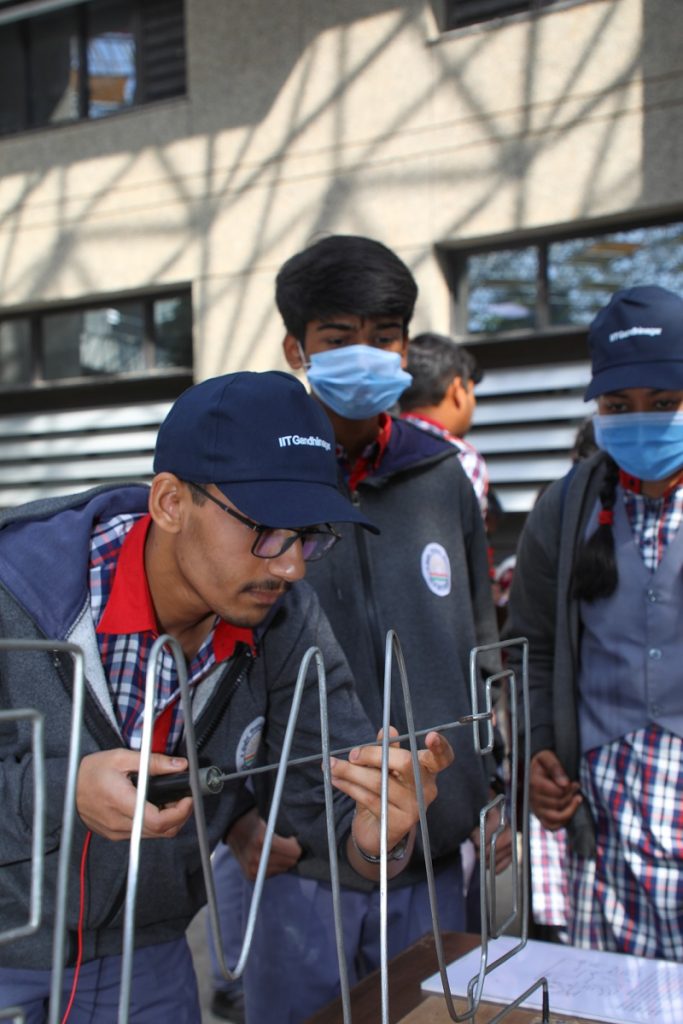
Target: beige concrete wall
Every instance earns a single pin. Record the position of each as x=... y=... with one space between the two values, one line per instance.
x=305 y=117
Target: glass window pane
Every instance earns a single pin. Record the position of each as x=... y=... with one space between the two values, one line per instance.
x=502 y=290
x=162 y=41
x=15 y=351
x=584 y=272
x=173 y=331
x=111 y=58
x=55 y=67
x=97 y=341
x=471 y=12
x=12 y=80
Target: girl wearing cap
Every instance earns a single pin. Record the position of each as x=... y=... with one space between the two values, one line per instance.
x=598 y=590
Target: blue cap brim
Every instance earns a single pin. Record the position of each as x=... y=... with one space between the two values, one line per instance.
x=293 y=504
x=666 y=375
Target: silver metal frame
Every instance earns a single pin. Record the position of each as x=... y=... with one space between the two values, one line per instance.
x=393 y=659
x=68 y=815
x=38 y=822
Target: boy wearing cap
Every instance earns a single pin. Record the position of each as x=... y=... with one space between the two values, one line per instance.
x=598 y=590
x=208 y=553
x=346 y=303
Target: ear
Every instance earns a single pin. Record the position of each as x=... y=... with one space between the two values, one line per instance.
x=454 y=389
x=168 y=497
x=292 y=350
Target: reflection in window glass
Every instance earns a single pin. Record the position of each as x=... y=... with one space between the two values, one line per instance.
x=55 y=67
x=61 y=332
x=15 y=351
x=88 y=60
x=502 y=290
x=584 y=272
x=97 y=341
x=133 y=336
x=173 y=331
x=111 y=58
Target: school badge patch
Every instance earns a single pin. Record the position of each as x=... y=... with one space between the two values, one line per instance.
x=248 y=744
x=436 y=569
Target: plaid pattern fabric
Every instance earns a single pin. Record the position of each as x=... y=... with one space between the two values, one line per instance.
x=369 y=459
x=471 y=461
x=620 y=902
x=549 y=886
x=124 y=656
x=654 y=522
x=630 y=899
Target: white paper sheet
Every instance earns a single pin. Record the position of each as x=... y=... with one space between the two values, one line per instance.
x=609 y=987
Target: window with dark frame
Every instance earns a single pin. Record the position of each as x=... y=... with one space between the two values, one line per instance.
x=558 y=284
x=461 y=13
x=123 y=338
x=523 y=308
x=88 y=60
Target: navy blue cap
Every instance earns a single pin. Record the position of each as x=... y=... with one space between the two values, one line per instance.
x=264 y=442
x=636 y=341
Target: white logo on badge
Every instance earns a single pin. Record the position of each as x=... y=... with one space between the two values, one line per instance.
x=436 y=569
x=249 y=742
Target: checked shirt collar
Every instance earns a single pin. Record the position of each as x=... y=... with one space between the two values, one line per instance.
x=654 y=521
x=368 y=462
x=126 y=629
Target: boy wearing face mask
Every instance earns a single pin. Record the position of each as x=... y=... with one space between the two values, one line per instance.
x=347 y=303
x=598 y=590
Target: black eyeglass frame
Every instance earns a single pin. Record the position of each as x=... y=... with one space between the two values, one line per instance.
x=297 y=533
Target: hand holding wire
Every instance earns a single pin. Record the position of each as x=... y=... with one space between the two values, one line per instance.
x=105 y=795
x=360 y=778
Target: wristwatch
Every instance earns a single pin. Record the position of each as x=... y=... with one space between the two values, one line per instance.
x=397 y=852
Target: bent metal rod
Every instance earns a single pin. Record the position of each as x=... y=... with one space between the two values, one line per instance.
x=198 y=787
x=68 y=816
x=490 y=929
x=162 y=789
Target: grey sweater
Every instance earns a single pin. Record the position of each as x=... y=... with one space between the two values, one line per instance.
x=426 y=577
x=43 y=594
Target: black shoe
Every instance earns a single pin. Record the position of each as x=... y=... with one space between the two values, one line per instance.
x=228 y=1006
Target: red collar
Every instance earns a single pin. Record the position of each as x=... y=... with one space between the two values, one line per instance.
x=632 y=483
x=368 y=462
x=129 y=608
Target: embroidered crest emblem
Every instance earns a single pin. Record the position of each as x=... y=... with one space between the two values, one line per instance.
x=436 y=569
x=248 y=744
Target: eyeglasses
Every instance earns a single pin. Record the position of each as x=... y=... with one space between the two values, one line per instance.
x=273 y=541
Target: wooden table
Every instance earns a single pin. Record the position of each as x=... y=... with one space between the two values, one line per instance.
x=408 y=1004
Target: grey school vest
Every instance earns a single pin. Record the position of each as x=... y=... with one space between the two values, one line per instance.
x=631 y=668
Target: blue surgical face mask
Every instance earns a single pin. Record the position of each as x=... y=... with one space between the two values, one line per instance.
x=357 y=381
x=647 y=445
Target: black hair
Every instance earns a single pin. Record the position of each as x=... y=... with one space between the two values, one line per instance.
x=434 y=360
x=343 y=274
x=198 y=498
x=595 y=568
x=584 y=441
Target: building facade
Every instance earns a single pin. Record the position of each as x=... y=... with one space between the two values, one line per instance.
x=159 y=160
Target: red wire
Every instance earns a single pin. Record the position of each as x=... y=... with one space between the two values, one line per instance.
x=81 y=914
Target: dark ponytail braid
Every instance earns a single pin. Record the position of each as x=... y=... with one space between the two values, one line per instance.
x=595 y=569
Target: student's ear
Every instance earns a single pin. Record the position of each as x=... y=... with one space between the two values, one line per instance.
x=404 y=351
x=292 y=350
x=167 y=497
x=454 y=389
